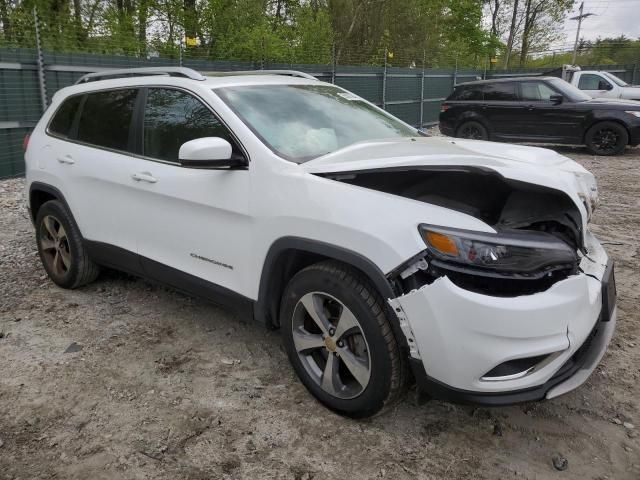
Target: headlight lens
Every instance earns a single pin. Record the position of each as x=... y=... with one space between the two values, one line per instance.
x=530 y=254
x=635 y=113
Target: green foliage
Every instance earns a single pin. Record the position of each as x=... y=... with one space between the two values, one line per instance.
x=603 y=51
x=430 y=33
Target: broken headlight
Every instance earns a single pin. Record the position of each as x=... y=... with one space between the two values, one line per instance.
x=514 y=253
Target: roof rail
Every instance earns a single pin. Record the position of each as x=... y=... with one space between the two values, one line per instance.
x=141 y=72
x=292 y=73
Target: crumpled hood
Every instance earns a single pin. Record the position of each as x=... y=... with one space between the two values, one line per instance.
x=437 y=151
x=539 y=166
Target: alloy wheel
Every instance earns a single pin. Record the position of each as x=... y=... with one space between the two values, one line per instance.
x=55 y=246
x=331 y=345
x=606 y=140
x=471 y=132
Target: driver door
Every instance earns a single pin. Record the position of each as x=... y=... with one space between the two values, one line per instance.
x=192 y=221
x=595 y=85
x=546 y=120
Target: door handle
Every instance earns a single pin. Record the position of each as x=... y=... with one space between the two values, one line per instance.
x=66 y=159
x=144 y=177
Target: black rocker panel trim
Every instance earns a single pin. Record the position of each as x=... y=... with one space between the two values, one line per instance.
x=114 y=257
x=122 y=259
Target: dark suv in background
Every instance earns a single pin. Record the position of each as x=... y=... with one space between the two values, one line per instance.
x=540 y=109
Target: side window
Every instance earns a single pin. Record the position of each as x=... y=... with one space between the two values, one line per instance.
x=505 y=92
x=536 y=92
x=173 y=117
x=470 y=92
x=590 y=81
x=63 y=119
x=106 y=117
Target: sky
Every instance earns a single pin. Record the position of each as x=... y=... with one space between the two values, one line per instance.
x=612 y=18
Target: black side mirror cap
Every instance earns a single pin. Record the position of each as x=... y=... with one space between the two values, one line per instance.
x=556 y=99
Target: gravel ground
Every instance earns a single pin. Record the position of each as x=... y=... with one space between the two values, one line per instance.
x=125 y=379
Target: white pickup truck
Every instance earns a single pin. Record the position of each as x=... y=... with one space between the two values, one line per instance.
x=598 y=83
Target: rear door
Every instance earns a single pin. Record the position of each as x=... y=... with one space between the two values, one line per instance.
x=502 y=108
x=93 y=159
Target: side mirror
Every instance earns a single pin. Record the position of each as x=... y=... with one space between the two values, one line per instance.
x=556 y=99
x=208 y=152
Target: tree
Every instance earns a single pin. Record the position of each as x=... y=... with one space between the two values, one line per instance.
x=5 y=19
x=512 y=32
x=541 y=23
x=414 y=32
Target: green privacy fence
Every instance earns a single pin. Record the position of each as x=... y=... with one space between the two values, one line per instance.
x=30 y=77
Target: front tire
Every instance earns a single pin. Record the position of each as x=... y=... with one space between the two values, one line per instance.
x=607 y=138
x=339 y=340
x=62 y=252
x=472 y=130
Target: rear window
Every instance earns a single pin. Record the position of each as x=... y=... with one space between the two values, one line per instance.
x=106 y=117
x=62 y=120
x=468 y=93
x=536 y=92
x=505 y=92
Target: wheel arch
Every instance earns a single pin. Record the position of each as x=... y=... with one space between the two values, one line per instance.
x=289 y=255
x=473 y=117
x=594 y=121
x=40 y=193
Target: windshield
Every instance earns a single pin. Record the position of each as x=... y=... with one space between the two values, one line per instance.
x=616 y=80
x=302 y=122
x=570 y=92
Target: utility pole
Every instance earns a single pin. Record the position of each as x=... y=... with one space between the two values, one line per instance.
x=579 y=18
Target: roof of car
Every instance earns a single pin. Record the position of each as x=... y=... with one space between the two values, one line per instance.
x=212 y=81
x=505 y=79
x=224 y=80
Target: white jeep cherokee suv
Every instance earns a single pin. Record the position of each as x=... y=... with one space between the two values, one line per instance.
x=377 y=251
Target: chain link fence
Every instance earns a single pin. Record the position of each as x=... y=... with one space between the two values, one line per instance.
x=408 y=88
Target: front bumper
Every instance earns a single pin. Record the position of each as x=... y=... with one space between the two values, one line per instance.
x=456 y=337
x=570 y=376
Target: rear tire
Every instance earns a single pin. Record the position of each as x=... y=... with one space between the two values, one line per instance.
x=472 y=130
x=607 y=138
x=61 y=249
x=340 y=342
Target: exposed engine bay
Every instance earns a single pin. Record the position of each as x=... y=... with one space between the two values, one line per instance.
x=506 y=205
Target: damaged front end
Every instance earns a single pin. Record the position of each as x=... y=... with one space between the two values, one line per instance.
x=504 y=295
x=539 y=230
x=508 y=263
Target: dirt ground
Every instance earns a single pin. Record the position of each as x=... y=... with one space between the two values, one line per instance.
x=124 y=379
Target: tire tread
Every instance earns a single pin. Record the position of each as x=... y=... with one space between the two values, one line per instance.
x=361 y=284
x=598 y=125
x=87 y=269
